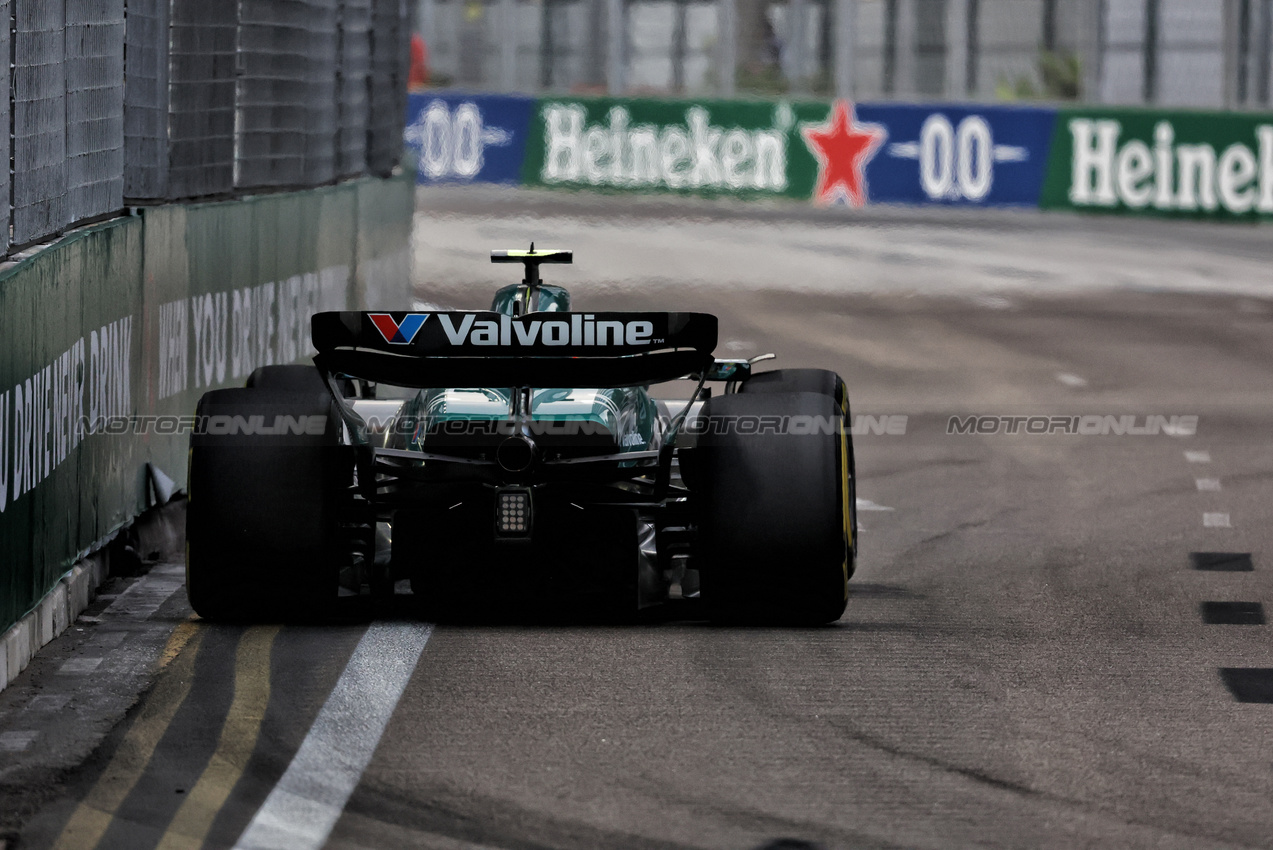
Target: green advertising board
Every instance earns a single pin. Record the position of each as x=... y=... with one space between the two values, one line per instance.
x=704 y=147
x=111 y=335
x=68 y=321
x=1153 y=162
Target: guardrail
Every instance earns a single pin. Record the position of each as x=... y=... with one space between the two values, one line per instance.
x=1161 y=162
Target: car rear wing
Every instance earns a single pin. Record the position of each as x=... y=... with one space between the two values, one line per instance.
x=487 y=349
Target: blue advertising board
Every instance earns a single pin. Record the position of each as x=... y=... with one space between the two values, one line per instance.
x=830 y=152
x=465 y=138
x=954 y=154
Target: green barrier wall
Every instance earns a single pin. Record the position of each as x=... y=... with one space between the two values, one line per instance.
x=1153 y=162
x=137 y=318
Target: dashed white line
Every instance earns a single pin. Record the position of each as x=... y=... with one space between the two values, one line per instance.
x=16 y=742
x=868 y=505
x=993 y=302
x=49 y=702
x=1071 y=380
x=1198 y=457
x=108 y=640
x=1216 y=520
x=80 y=665
x=303 y=808
x=1211 y=485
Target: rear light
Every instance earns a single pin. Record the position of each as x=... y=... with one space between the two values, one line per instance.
x=513 y=512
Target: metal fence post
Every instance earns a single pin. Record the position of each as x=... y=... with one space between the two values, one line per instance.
x=616 y=39
x=957 y=52
x=508 y=45
x=1149 y=90
x=1091 y=49
x=845 y=23
x=6 y=143
x=907 y=28
x=426 y=23
x=1264 y=59
x=678 y=45
x=795 y=62
x=726 y=46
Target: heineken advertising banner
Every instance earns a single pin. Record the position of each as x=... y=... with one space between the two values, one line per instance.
x=823 y=152
x=112 y=334
x=1160 y=162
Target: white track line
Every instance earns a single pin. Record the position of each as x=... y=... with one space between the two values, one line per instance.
x=1208 y=484
x=1071 y=380
x=1198 y=457
x=304 y=806
x=80 y=665
x=1216 y=520
x=16 y=742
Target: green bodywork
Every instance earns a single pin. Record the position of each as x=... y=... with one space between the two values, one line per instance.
x=627 y=414
x=552 y=299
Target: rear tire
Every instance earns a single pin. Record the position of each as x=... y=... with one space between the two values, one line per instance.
x=262 y=539
x=827 y=383
x=293 y=378
x=820 y=381
x=775 y=526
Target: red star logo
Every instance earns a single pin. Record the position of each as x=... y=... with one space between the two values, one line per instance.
x=842 y=151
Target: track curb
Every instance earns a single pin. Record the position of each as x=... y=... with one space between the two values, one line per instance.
x=155 y=535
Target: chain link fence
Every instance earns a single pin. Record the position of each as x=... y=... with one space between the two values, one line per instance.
x=1213 y=54
x=39 y=120
x=94 y=123
x=6 y=140
x=352 y=97
x=146 y=99
x=116 y=102
x=387 y=106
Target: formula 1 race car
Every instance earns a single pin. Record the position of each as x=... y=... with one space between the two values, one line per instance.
x=457 y=450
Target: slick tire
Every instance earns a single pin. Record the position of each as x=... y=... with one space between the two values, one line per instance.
x=289 y=378
x=827 y=383
x=774 y=523
x=821 y=381
x=295 y=378
x=262 y=519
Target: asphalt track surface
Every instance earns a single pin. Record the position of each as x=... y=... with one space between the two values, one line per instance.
x=1030 y=658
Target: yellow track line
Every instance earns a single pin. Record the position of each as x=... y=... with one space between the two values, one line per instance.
x=92 y=817
x=239 y=735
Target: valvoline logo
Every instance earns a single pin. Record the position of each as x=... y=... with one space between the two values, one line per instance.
x=398 y=333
